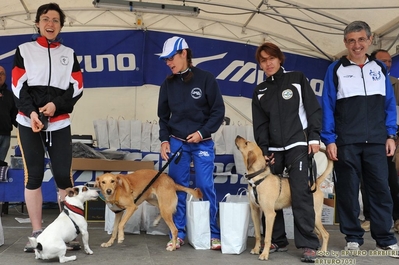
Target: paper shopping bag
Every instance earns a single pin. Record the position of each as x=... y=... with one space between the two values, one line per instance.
x=234 y=220
x=152 y=222
x=198 y=224
x=101 y=132
x=113 y=134
x=132 y=226
x=124 y=133
x=220 y=145
x=242 y=196
x=135 y=135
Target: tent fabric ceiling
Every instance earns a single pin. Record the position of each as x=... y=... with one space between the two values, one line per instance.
x=307 y=27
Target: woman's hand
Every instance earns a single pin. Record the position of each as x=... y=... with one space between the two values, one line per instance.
x=48 y=109
x=35 y=122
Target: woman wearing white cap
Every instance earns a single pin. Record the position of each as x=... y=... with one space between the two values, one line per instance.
x=190 y=109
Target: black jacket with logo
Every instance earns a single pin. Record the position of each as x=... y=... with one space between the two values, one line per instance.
x=285 y=112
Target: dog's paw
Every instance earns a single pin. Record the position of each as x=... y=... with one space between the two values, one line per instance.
x=88 y=251
x=255 y=251
x=106 y=245
x=170 y=248
x=264 y=256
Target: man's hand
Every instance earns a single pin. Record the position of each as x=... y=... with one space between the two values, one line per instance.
x=331 y=152
x=390 y=147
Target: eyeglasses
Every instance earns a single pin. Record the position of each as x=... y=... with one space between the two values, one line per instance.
x=173 y=57
x=170 y=58
x=47 y=20
x=361 y=40
x=2 y=74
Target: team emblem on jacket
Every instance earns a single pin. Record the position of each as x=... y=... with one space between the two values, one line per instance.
x=287 y=94
x=196 y=93
x=375 y=76
x=64 y=60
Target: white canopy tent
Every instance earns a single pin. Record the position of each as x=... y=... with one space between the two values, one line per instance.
x=307 y=27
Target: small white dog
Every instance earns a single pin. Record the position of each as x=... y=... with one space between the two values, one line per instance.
x=71 y=222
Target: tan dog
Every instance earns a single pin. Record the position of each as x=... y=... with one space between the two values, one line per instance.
x=274 y=194
x=120 y=191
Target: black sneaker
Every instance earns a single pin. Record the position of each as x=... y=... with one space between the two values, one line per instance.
x=309 y=255
x=276 y=248
x=28 y=247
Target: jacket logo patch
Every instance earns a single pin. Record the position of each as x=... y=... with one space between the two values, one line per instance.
x=64 y=60
x=287 y=94
x=196 y=93
x=375 y=76
x=203 y=153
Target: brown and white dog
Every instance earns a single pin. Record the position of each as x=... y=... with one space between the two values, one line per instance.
x=69 y=223
x=273 y=193
x=120 y=192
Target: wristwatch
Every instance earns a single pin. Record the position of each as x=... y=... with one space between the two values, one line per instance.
x=392 y=136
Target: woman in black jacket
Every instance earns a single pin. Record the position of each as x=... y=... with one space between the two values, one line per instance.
x=287 y=122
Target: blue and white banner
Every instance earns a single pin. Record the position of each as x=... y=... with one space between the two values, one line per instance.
x=130 y=58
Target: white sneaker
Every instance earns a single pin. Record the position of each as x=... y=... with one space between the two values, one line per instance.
x=392 y=250
x=352 y=246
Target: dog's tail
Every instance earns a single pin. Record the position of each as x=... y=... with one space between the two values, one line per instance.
x=327 y=171
x=197 y=193
x=34 y=244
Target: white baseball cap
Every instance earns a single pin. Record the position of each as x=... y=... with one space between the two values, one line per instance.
x=171 y=46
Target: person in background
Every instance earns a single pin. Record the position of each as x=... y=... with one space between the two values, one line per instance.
x=287 y=122
x=190 y=109
x=8 y=113
x=46 y=82
x=359 y=131
x=385 y=57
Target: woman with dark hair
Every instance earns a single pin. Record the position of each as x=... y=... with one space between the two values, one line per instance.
x=287 y=122
x=47 y=83
x=190 y=109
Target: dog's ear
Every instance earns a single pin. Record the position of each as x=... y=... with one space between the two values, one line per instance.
x=70 y=192
x=251 y=159
x=123 y=182
x=97 y=183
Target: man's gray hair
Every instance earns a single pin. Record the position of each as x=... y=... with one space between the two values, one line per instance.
x=357 y=26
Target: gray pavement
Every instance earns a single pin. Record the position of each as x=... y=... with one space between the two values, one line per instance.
x=146 y=249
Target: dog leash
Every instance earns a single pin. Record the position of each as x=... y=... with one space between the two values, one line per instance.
x=179 y=153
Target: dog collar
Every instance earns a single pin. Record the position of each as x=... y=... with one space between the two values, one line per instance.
x=252 y=175
x=72 y=208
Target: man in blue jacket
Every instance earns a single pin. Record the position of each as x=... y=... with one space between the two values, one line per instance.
x=359 y=130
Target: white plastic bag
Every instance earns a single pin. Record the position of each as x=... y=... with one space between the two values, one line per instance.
x=198 y=224
x=234 y=220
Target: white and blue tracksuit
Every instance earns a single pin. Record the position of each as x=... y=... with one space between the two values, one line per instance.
x=184 y=108
x=359 y=112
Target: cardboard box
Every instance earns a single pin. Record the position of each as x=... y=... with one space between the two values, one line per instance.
x=109 y=165
x=329 y=216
